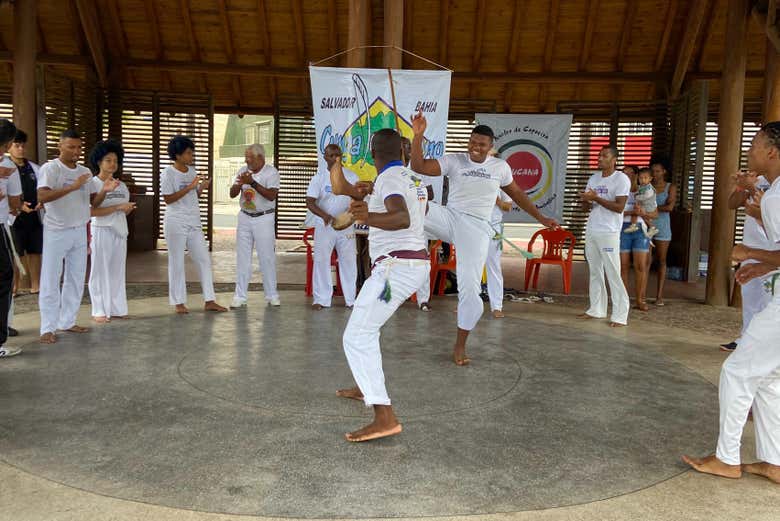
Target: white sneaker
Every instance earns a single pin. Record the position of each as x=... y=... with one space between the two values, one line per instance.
x=275 y=302
x=7 y=351
x=237 y=303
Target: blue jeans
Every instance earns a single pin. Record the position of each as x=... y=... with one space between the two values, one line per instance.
x=634 y=241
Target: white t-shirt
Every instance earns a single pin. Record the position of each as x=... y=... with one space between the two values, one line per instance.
x=251 y=201
x=770 y=216
x=321 y=190
x=609 y=188
x=116 y=220
x=753 y=234
x=11 y=186
x=498 y=214
x=473 y=186
x=185 y=211
x=398 y=180
x=72 y=209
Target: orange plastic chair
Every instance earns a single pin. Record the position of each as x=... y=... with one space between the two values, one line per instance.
x=308 y=236
x=554 y=246
x=439 y=269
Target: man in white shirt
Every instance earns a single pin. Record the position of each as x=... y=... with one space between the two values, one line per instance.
x=754 y=298
x=605 y=197
x=394 y=213
x=10 y=192
x=750 y=376
x=258 y=185
x=495 y=277
x=325 y=205
x=65 y=190
x=474 y=180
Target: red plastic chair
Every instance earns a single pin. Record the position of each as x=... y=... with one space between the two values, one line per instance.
x=308 y=236
x=439 y=269
x=554 y=246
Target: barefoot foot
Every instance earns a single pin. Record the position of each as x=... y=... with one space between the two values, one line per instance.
x=316 y=307
x=585 y=316
x=459 y=356
x=48 y=338
x=181 y=309
x=497 y=313
x=373 y=431
x=213 y=306
x=616 y=324
x=101 y=319
x=712 y=465
x=77 y=329
x=769 y=471
x=353 y=393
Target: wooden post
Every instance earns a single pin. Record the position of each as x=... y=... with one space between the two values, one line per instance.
x=772 y=84
x=393 y=33
x=732 y=95
x=358 y=32
x=25 y=51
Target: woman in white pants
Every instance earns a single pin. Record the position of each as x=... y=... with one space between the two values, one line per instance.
x=181 y=186
x=258 y=185
x=109 y=237
x=495 y=278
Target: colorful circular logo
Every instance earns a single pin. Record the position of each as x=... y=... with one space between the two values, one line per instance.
x=531 y=166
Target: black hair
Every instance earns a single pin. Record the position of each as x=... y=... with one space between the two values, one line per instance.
x=178 y=145
x=484 y=130
x=612 y=150
x=644 y=170
x=7 y=131
x=333 y=145
x=772 y=131
x=102 y=149
x=635 y=168
x=70 y=134
x=386 y=144
x=20 y=137
x=663 y=161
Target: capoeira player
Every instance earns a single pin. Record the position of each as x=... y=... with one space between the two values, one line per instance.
x=475 y=178
x=750 y=376
x=109 y=236
x=181 y=186
x=495 y=277
x=605 y=196
x=66 y=190
x=323 y=203
x=424 y=293
x=10 y=192
x=754 y=298
x=394 y=213
x=258 y=184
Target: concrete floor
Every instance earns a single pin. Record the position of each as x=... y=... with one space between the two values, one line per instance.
x=167 y=417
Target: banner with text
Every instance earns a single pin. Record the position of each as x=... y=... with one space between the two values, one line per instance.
x=535 y=146
x=351 y=104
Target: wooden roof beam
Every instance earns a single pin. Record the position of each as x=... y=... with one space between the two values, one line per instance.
x=663 y=45
x=444 y=25
x=119 y=38
x=297 y=11
x=479 y=34
x=696 y=18
x=587 y=40
x=229 y=50
x=265 y=35
x=625 y=36
x=192 y=41
x=97 y=47
x=549 y=46
x=154 y=28
x=333 y=36
x=514 y=49
x=408 y=36
x=768 y=21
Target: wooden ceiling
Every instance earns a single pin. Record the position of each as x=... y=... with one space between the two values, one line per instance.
x=523 y=55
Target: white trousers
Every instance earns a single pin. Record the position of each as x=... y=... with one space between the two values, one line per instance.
x=361 y=336
x=424 y=291
x=754 y=299
x=751 y=376
x=256 y=233
x=602 y=251
x=191 y=238
x=471 y=238
x=325 y=240
x=59 y=307
x=495 y=278
x=107 y=273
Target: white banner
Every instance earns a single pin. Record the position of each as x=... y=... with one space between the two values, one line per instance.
x=535 y=146
x=351 y=104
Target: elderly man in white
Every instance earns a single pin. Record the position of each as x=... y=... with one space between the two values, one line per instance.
x=257 y=183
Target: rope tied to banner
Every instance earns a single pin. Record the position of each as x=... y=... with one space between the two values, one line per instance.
x=360 y=47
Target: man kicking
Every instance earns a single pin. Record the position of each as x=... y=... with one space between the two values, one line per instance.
x=475 y=178
x=750 y=376
x=394 y=213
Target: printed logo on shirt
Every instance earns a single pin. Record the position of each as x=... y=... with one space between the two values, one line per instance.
x=601 y=190
x=608 y=250
x=477 y=172
x=182 y=186
x=248 y=197
x=116 y=194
